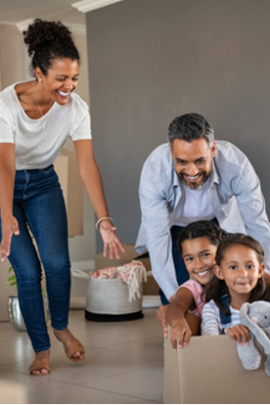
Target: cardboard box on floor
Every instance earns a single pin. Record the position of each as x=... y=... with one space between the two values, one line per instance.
x=150 y=287
x=69 y=178
x=208 y=371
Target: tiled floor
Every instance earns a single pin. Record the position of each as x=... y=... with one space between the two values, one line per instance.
x=124 y=364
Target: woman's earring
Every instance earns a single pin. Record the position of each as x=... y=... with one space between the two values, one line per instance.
x=40 y=80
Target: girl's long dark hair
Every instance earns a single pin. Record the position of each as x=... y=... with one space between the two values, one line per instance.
x=216 y=288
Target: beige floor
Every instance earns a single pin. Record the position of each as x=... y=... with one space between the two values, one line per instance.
x=124 y=364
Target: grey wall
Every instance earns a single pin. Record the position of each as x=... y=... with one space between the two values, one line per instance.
x=151 y=60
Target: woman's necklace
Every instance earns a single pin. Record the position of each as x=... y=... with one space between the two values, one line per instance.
x=37 y=104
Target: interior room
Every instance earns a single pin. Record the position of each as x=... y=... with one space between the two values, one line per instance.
x=143 y=62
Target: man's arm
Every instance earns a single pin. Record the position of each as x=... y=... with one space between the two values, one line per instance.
x=247 y=191
x=155 y=217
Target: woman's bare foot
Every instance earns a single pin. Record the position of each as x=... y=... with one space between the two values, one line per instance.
x=40 y=365
x=69 y=341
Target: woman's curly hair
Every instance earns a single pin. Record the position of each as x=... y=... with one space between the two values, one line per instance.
x=47 y=40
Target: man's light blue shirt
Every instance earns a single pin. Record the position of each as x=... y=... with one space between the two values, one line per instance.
x=234 y=193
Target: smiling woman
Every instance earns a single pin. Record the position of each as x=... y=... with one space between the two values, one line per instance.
x=36 y=117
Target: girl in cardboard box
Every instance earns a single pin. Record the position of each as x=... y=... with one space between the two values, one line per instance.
x=198 y=243
x=238 y=278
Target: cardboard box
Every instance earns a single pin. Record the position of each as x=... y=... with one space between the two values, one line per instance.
x=67 y=169
x=208 y=371
x=150 y=287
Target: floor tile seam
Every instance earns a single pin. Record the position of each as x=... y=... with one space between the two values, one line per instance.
x=124 y=351
x=3 y=366
x=50 y=379
x=14 y=339
x=106 y=346
x=100 y=378
x=126 y=342
x=116 y=393
x=84 y=386
x=119 y=374
x=34 y=377
x=91 y=348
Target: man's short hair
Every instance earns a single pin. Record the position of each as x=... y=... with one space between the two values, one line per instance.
x=189 y=127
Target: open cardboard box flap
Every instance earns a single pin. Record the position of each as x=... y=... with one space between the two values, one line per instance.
x=208 y=371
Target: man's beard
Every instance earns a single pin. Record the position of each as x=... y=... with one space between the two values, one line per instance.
x=204 y=176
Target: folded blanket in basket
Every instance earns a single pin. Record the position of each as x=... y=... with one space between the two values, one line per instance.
x=133 y=273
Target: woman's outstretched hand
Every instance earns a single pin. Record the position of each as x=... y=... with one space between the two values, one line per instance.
x=10 y=227
x=110 y=239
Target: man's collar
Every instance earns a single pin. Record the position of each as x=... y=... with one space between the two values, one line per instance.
x=175 y=178
x=214 y=178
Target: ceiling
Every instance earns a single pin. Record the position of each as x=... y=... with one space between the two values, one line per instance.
x=15 y=11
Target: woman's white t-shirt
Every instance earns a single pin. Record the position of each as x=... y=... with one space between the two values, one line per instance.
x=38 y=141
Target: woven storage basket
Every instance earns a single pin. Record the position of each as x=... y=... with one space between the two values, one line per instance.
x=107 y=300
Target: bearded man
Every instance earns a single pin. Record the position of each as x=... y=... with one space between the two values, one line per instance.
x=195 y=177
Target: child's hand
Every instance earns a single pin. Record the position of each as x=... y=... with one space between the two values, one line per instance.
x=180 y=331
x=161 y=315
x=240 y=333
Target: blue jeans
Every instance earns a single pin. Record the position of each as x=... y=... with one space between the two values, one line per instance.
x=39 y=206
